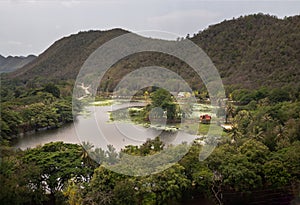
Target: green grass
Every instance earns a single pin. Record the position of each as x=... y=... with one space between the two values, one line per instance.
x=214 y=129
x=204 y=128
x=103 y=103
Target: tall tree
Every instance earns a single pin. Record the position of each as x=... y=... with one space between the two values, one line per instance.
x=58 y=162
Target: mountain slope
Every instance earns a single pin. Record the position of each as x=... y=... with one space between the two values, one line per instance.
x=11 y=63
x=254 y=50
x=251 y=51
x=65 y=57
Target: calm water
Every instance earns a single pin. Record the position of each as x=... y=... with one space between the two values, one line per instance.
x=98 y=130
x=66 y=133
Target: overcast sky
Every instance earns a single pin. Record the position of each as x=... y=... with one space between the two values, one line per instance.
x=30 y=27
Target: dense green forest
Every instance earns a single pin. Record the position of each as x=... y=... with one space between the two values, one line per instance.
x=255 y=50
x=32 y=109
x=260 y=154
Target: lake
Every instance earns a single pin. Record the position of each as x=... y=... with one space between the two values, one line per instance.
x=97 y=129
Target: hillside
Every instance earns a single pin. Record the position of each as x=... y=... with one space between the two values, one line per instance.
x=64 y=58
x=255 y=50
x=250 y=51
x=10 y=63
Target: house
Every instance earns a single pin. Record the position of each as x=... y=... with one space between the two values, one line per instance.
x=205 y=119
x=184 y=95
x=226 y=127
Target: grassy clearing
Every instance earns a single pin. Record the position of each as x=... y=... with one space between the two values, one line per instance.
x=103 y=103
x=214 y=129
x=202 y=129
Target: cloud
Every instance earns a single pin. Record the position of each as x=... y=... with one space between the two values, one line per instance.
x=176 y=16
x=178 y=21
x=70 y=3
x=15 y=43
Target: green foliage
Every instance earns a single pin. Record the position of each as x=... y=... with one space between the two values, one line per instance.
x=276 y=174
x=64 y=109
x=283 y=166
x=279 y=95
x=17 y=179
x=274 y=95
x=9 y=121
x=73 y=193
x=240 y=170
x=290 y=157
x=63 y=172
x=125 y=192
x=53 y=89
x=101 y=187
x=57 y=162
x=148 y=148
x=253 y=51
x=108 y=187
x=33 y=110
x=161 y=98
x=263 y=153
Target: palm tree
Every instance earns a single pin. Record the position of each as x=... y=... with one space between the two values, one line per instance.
x=112 y=154
x=86 y=152
x=229 y=112
x=235 y=134
x=99 y=155
x=257 y=133
x=267 y=119
x=243 y=120
x=282 y=139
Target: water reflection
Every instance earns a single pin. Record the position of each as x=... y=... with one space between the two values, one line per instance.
x=97 y=130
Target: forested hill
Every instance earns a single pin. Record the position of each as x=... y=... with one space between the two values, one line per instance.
x=254 y=50
x=249 y=51
x=64 y=58
x=12 y=63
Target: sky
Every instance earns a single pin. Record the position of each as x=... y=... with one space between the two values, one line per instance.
x=31 y=26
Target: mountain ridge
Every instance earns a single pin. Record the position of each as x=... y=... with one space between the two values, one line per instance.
x=12 y=63
x=264 y=46
x=250 y=51
x=50 y=62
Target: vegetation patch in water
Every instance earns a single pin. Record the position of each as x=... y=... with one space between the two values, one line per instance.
x=103 y=103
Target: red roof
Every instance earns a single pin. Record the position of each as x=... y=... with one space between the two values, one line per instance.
x=205 y=117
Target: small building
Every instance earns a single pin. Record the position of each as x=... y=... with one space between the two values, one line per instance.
x=205 y=119
x=184 y=95
x=226 y=127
